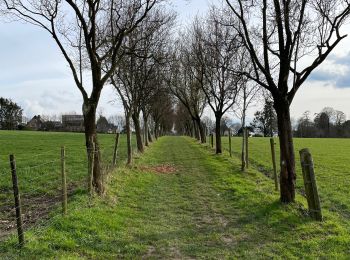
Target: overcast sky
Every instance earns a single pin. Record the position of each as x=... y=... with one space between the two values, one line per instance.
x=35 y=74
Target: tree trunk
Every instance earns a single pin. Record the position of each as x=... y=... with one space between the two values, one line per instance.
x=244 y=136
x=145 y=122
x=287 y=157
x=128 y=137
x=89 y=113
x=196 y=130
x=156 y=128
x=150 y=138
x=243 y=163
x=138 y=132
x=201 y=130
x=218 y=133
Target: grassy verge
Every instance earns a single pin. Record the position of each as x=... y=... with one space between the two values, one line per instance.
x=332 y=168
x=182 y=201
x=39 y=171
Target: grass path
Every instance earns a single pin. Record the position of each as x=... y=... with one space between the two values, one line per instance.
x=207 y=208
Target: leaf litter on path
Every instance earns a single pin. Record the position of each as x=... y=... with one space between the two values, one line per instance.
x=160 y=169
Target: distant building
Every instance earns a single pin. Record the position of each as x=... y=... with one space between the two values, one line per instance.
x=35 y=123
x=73 y=123
x=103 y=126
x=51 y=126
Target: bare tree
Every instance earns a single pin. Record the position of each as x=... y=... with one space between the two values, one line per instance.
x=216 y=48
x=89 y=34
x=155 y=66
x=118 y=121
x=184 y=84
x=340 y=118
x=162 y=113
x=247 y=95
x=144 y=50
x=286 y=41
x=183 y=120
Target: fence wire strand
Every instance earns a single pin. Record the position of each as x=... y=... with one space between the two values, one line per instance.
x=40 y=186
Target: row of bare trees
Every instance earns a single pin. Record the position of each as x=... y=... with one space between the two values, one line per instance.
x=103 y=42
x=203 y=70
x=220 y=62
x=139 y=77
x=242 y=47
x=286 y=40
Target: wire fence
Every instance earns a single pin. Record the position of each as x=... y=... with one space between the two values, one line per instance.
x=41 y=188
x=35 y=188
x=330 y=166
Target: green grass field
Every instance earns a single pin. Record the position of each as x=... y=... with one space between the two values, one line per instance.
x=332 y=166
x=181 y=201
x=39 y=174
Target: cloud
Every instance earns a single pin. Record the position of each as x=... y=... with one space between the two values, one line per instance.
x=315 y=95
x=36 y=76
x=341 y=58
x=335 y=70
x=34 y=73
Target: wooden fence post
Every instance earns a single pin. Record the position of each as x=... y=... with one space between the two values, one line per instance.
x=17 y=197
x=243 y=156
x=212 y=140
x=246 y=148
x=64 y=181
x=115 y=152
x=91 y=163
x=230 y=142
x=312 y=197
x=273 y=154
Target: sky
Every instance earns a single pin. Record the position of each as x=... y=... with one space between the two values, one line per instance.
x=35 y=75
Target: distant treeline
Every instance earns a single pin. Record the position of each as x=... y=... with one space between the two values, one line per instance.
x=329 y=123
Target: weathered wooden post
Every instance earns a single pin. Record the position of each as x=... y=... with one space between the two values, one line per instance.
x=91 y=159
x=312 y=197
x=115 y=152
x=273 y=154
x=230 y=142
x=64 y=181
x=243 y=156
x=17 y=197
x=246 y=148
x=212 y=140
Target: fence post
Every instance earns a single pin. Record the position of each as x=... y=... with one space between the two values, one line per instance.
x=64 y=181
x=312 y=197
x=243 y=156
x=230 y=142
x=212 y=140
x=246 y=148
x=115 y=152
x=17 y=197
x=91 y=159
x=273 y=153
